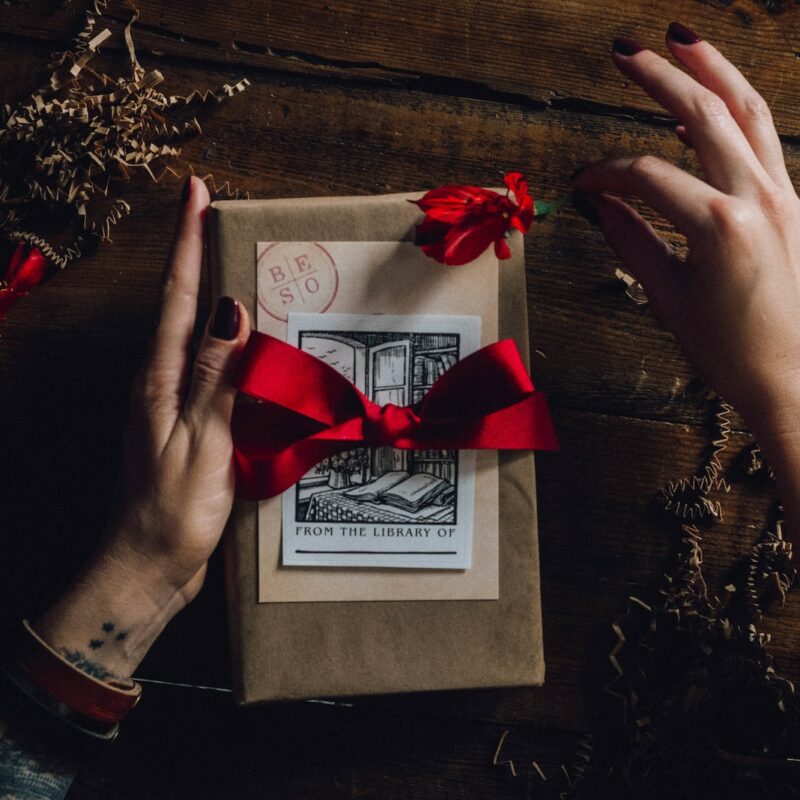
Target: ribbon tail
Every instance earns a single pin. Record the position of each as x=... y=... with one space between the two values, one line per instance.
x=263 y=470
x=263 y=475
x=526 y=425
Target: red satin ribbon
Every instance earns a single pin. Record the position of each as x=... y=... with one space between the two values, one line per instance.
x=25 y=270
x=310 y=412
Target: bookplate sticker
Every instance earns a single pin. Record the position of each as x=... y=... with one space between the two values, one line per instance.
x=384 y=507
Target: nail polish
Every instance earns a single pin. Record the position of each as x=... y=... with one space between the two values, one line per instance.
x=226 y=319
x=583 y=205
x=186 y=193
x=679 y=33
x=624 y=46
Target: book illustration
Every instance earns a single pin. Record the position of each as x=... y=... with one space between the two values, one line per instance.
x=371 y=492
x=404 y=491
x=384 y=506
x=382 y=484
x=416 y=492
x=316 y=524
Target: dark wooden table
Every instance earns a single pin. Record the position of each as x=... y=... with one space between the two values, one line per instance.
x=362 y=97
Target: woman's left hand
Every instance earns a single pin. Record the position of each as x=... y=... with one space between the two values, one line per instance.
x=177 y=484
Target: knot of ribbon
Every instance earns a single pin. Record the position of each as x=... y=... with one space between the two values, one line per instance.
x=308 y=412
x=384 y=425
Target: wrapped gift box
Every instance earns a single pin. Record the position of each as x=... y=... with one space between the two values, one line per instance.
x=302 y=632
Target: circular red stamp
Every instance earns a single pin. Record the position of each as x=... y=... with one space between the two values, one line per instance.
x=296 y=276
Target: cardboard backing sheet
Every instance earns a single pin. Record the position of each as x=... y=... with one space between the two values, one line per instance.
x=285 y=651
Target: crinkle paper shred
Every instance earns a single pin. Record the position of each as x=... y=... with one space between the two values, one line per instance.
x=64 y=147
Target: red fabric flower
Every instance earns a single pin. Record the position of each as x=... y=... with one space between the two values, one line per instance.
x=462 y=221
x=25 y=270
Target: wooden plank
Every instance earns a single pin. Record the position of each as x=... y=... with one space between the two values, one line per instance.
x=599 y=536
x=603 y=546
x=546 y=53
x=292 y=137
x=302 y=751
x=625 y=406
x=602 y=540
x=600 y=543
x=70 y=349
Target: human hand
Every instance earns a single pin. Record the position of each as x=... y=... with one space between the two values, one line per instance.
x=177 y=484
x=733 y=302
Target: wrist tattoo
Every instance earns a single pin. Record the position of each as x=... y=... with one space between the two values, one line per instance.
x=83 y=662
x=29 y=774
x=78 y=659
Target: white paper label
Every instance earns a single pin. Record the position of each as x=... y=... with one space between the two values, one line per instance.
x=384 y=507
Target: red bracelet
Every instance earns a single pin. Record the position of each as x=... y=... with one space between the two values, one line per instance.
x=103 y=701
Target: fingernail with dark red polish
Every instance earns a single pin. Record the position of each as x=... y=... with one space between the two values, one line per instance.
x=678 y=32
x=584 y=206
x=226 y=319
x=187 y=191
x=624 y=46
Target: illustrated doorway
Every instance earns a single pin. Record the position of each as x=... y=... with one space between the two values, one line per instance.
x=389 y=382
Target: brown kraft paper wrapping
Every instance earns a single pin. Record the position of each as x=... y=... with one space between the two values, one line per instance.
x=286 y=651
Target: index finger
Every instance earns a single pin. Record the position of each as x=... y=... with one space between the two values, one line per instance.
x=746 y=105
x=169 y=360
x=728 y=161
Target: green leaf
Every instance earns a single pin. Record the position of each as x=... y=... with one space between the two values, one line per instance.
x=543 y=208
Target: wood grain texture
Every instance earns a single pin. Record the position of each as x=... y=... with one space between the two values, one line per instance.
x=357 y=98
x=302 y=751
x=291 y=136
x=551 y=54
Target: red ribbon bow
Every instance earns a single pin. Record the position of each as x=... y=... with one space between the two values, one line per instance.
x=310 y=412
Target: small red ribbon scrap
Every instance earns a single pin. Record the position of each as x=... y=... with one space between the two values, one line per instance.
x=25 y=270
x=308 y=412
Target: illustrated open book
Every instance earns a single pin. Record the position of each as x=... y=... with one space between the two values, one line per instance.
x=409 y=492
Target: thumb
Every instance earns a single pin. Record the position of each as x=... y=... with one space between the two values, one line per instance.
x=643 y=253
x=212 y=393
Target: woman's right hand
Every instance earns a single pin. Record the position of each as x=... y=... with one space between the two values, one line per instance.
x=734 y=302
